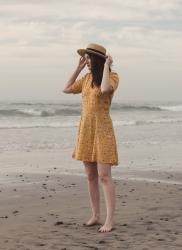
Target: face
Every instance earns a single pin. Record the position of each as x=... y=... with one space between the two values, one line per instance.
x=88 y=61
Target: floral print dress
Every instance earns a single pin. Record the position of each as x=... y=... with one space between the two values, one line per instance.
x=95 y=140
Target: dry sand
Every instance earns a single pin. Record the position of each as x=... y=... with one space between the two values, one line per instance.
x=47 y=211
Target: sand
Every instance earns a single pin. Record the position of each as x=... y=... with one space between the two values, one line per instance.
x=47 y=211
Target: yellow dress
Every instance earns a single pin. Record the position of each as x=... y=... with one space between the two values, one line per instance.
x=96 y=140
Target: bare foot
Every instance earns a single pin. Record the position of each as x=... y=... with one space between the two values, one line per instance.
x=107 y=227
x=92 y=221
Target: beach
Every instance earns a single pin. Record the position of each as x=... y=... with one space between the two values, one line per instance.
x=99 y=81
x=43 y=191
x=47 y=211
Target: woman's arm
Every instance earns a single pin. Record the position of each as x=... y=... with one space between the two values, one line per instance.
x=105 y=85
x=81 y=65
x=71 y=81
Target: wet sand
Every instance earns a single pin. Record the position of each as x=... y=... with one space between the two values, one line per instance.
x=47 y=211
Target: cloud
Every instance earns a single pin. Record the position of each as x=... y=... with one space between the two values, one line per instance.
x=41 y=39
x=144 y=32
x=143 y=10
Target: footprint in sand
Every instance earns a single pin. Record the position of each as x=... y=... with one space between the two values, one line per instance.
x=58 y=223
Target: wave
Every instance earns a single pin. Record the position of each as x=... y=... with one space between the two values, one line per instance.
x=175 y=108
x=40 y=125
x=147 y=122
x=160 y=121
x=125 y=107
x=75 y=124
x=74 y=109
x=36 y=112
x=135 y=107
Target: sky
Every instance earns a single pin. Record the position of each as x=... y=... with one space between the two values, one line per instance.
x=39 y=40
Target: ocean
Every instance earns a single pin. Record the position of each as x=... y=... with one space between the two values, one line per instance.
x=47 y=114
x=148 y=134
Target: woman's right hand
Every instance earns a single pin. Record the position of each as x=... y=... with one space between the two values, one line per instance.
x=82 y=63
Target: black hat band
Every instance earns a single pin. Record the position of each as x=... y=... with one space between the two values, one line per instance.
x=96 y=51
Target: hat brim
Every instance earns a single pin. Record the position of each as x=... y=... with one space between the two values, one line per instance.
x=82 y=52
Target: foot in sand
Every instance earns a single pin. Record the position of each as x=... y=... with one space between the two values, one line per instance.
x=107 y=227
x=92 y=221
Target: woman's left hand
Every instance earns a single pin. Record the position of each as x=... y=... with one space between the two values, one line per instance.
x=109 y=60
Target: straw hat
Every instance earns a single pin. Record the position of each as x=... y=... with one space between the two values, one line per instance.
x=94 y=49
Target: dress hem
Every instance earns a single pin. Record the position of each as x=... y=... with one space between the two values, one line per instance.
x=79 y=159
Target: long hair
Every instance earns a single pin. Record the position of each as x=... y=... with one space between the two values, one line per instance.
x=97 y=67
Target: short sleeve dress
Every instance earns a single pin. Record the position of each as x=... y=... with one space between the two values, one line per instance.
x=95 y=140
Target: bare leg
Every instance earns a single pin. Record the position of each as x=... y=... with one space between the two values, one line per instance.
x=104 y=171
x=93 y=188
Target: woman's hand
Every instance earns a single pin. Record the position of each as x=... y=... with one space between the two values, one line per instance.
x=109 y=60
x=82 y=63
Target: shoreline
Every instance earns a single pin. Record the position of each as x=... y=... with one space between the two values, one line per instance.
x=143 y=176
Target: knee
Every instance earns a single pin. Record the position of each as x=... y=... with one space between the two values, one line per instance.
x=92 y=177
x=105 y=178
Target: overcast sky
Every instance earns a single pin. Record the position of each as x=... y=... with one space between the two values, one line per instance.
x=39 y=39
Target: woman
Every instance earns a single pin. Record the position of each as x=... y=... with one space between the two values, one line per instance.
x=96 y=144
